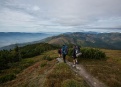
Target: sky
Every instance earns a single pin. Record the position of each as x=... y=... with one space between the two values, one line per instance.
x=60 y=15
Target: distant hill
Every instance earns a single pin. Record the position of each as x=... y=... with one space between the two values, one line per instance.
x=99 y=40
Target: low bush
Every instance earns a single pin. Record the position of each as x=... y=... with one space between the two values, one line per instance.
x=17 y=54
x=92 y=53
x=7 y=78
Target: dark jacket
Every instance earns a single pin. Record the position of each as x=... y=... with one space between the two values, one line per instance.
x=74 y=53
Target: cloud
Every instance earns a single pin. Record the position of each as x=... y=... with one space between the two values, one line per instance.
x=73 y=15
x=36 y=8
x=14 y=18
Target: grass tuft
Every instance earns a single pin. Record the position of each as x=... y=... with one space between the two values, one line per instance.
x=47 y=58
x=43 y=64
x=71 y=83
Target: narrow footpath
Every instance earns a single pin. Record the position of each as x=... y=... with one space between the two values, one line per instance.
x=79 y=69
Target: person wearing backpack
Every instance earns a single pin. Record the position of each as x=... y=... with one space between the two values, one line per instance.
x=74 y=56
x=64 y=52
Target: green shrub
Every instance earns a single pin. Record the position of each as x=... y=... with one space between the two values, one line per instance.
x=92 y=53
x=19 y=53
x=71 y=83
x=7 y=78
x=43 y=64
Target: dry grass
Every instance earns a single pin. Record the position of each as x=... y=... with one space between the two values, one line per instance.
x=108 y=71
x=60 y=74
x=52 y=54
x=71 y=83
x=34 y=74
x=113 y=55
x=59 y=41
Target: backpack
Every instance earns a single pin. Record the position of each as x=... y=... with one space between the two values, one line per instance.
x=78 y=53
x=77 y=49
x=65 y=50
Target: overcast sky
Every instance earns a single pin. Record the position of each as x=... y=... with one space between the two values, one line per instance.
x=60 y=15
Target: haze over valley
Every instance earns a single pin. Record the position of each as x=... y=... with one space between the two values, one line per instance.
x=8 y=38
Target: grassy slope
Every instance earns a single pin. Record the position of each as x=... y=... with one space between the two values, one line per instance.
x=34 y=72
x=44 y=71
x=108 y=71
x=31 y=74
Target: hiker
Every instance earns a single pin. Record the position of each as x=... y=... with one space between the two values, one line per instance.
x=59 y=52
x=64 y=52
x=74 y=56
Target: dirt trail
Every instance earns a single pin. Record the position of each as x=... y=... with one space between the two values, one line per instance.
x=79 y=69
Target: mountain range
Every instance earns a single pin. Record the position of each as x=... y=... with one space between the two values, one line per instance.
x=84 y=39
x=88 y=39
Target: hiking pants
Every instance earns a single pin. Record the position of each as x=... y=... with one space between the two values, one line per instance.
x=64 y=58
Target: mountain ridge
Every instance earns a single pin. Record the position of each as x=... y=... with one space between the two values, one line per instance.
x=84 y=39
x=98 y=40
